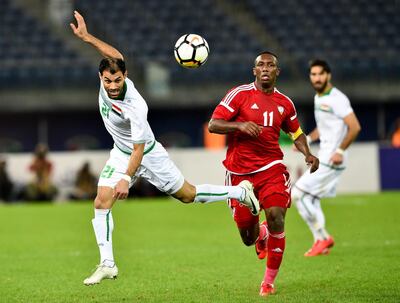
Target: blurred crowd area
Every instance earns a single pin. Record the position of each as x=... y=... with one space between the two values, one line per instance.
x=41 y=186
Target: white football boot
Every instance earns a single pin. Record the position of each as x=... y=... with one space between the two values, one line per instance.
x=250 y=199
x=102 y=272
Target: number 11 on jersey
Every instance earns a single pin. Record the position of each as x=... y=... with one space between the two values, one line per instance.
x=268 y=118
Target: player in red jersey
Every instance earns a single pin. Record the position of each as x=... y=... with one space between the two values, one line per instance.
x=252 y=116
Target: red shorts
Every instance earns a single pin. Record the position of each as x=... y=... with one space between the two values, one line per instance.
x=271 y=187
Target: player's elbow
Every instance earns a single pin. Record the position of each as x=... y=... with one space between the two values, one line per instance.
x=356 y=129
x=211 y=126
x=116 y=55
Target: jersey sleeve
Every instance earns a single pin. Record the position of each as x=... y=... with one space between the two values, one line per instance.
x=291 y=124
x=228 y=108
x=137 y=116
x=342 y=106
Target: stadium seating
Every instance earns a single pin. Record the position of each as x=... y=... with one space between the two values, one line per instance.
x=148 y=30
x=31 y=55
x=360 y=38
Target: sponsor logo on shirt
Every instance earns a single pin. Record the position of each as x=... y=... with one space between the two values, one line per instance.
x=254 y=106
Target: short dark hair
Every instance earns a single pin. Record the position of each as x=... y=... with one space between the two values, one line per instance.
x=113 y=65
x=318 y=62
x=265 y=52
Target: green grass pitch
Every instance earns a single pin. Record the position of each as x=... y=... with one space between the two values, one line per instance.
x=170 y=252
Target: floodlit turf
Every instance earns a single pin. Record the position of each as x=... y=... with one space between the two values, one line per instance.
x=170 y=252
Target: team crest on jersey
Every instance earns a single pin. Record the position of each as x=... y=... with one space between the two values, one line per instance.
x=254 y=106
x=281 y=109
x=325 y=108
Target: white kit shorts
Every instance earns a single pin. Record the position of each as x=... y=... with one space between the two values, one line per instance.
x=321 y=183
x=156 y=167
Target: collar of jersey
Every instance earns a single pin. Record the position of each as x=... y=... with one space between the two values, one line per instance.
x=327 y=93
x=259 y=90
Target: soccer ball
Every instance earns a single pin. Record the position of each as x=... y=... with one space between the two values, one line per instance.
x=191 y=51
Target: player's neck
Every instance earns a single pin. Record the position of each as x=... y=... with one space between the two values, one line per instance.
x=266 y=90
x=326 y=90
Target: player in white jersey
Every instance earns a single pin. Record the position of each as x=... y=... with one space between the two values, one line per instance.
x=337 y=127
x=136 y=153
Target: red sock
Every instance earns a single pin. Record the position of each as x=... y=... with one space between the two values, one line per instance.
x=276 y=247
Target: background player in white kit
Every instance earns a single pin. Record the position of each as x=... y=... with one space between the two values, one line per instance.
x=136 y=153
x=337 y=127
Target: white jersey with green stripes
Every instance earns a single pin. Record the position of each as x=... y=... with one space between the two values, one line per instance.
x=126 y=120
x=330 y=110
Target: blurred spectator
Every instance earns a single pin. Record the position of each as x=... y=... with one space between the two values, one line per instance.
x=85 y=184
x=396 y=134
x=41 y=188
x=6 y=186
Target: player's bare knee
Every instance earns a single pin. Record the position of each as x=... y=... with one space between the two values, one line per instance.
x=100 y=203
x=276 y=223
x=97 y=203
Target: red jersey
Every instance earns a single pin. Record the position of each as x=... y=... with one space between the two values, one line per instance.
x=273 y=111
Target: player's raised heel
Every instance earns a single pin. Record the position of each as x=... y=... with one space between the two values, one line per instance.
x=250 y=199
x=102 y=272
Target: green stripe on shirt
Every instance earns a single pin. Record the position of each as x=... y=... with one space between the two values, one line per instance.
x=146 y=151
x=332 y=166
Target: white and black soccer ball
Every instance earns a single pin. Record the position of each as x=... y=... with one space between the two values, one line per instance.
x=191 y=50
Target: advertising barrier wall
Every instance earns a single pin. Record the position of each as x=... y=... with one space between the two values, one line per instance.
x=204 y=166
x=361 y=175
x=389 y=163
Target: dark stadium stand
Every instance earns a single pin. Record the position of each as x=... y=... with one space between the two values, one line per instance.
x=148 y=31
x=32 y=56
x=360 y=38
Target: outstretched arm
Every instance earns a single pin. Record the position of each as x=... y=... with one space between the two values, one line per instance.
x=353 y=129
x=80 y=30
